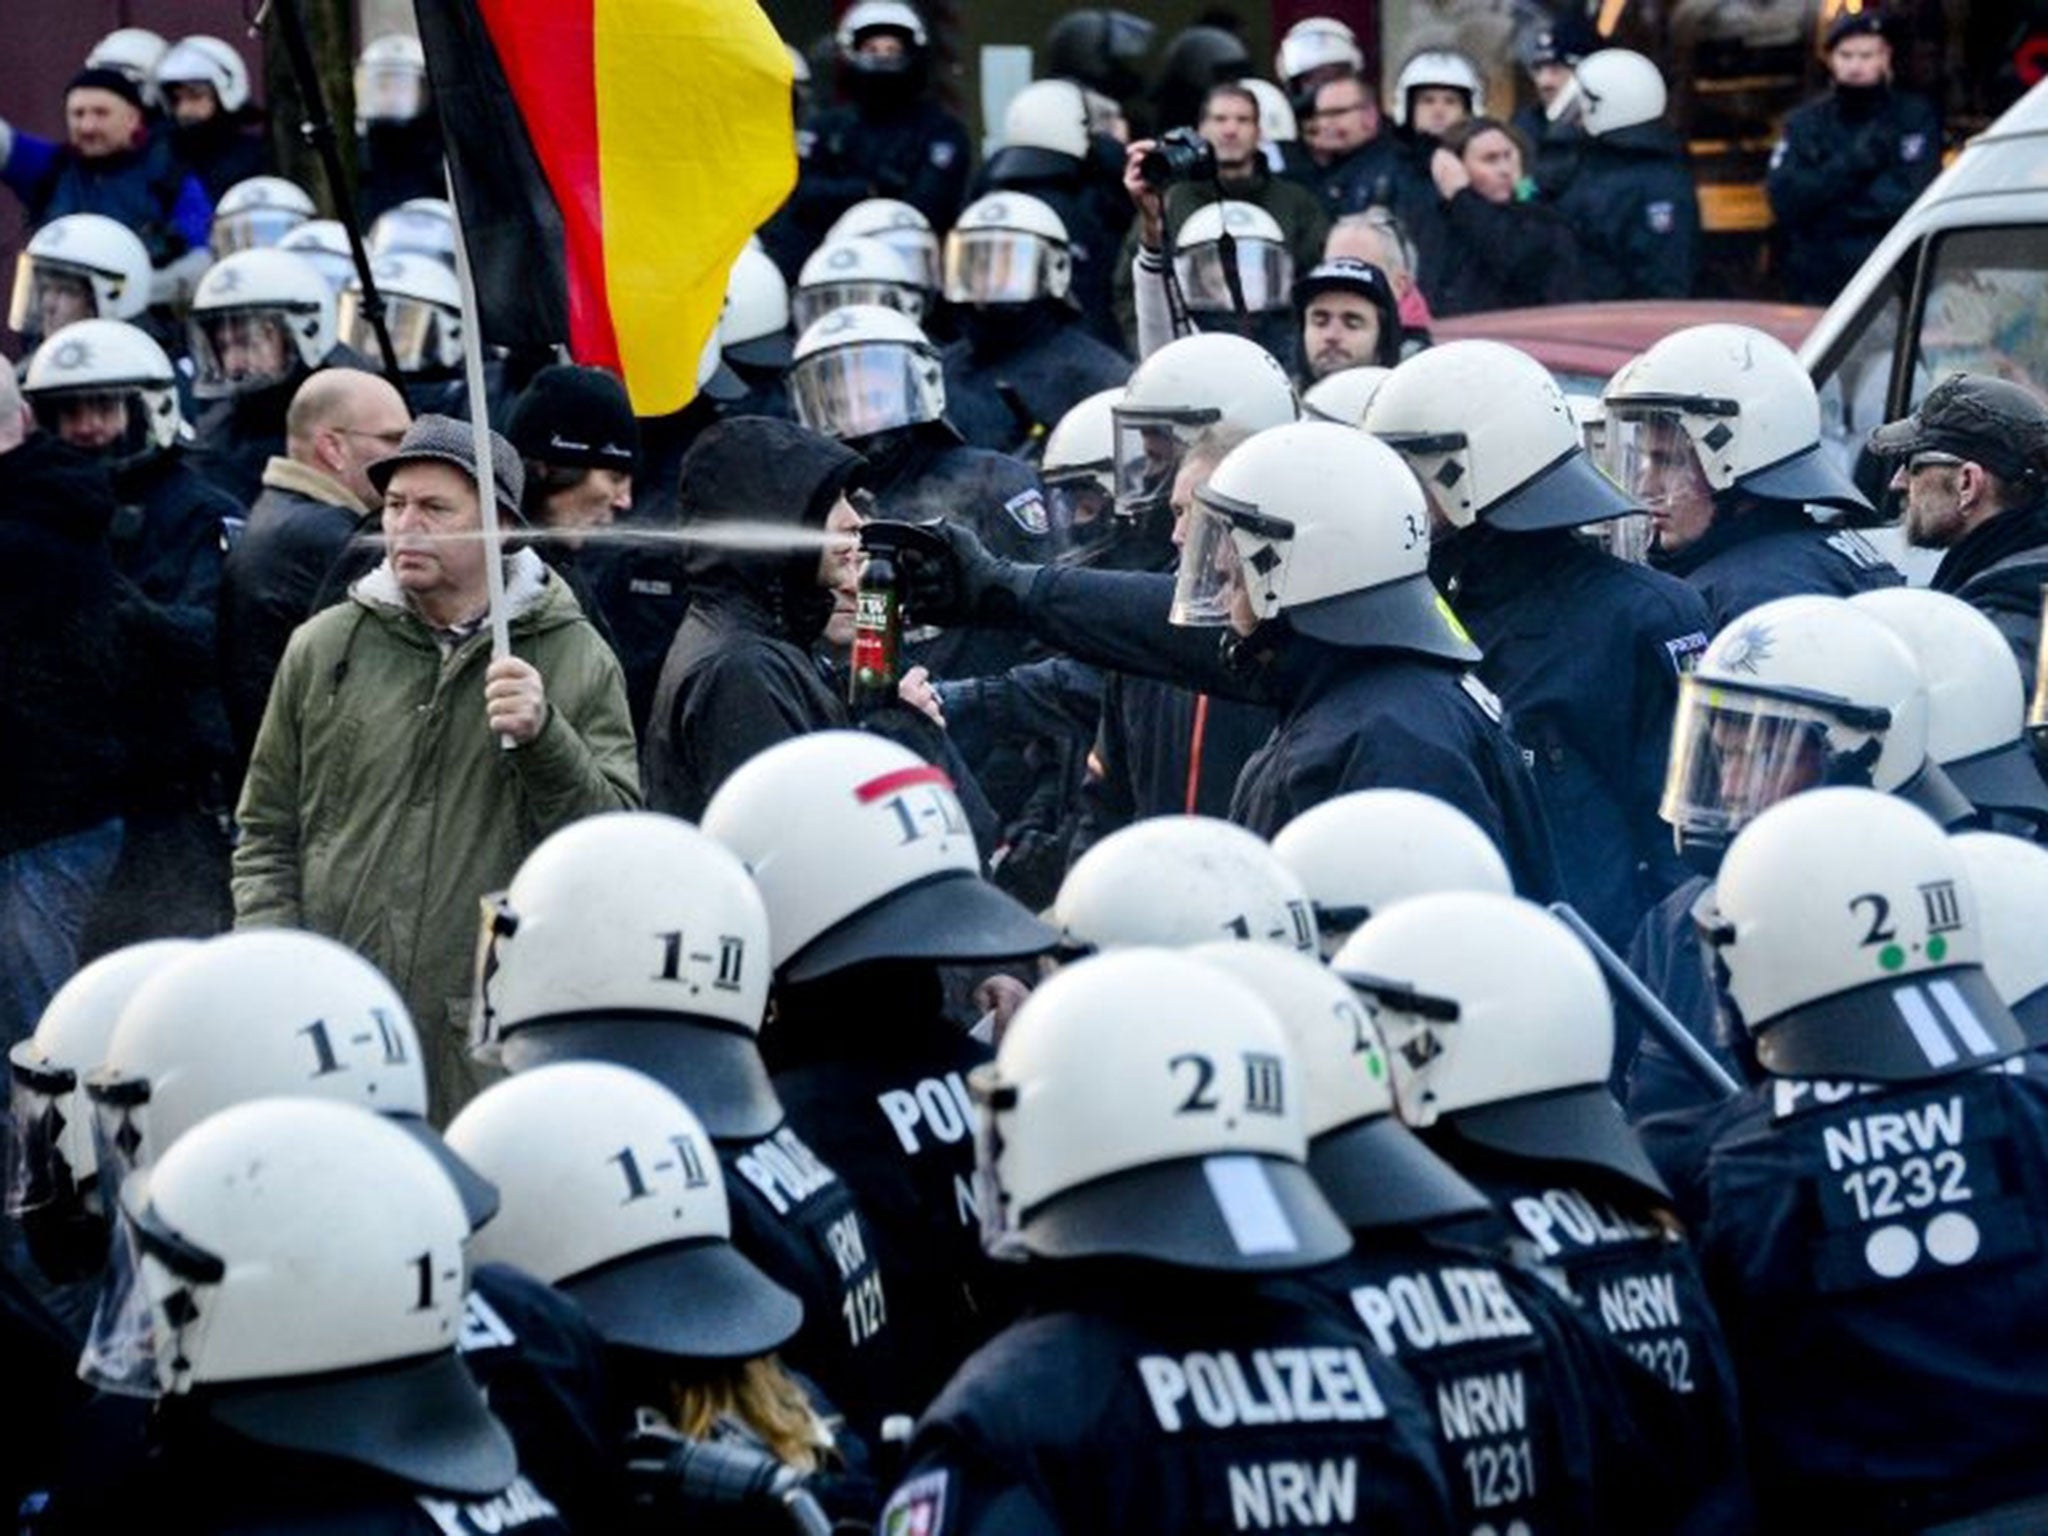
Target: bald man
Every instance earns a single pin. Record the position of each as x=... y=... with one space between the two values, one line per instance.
x=316 y=499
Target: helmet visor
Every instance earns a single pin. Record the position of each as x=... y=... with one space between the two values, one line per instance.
x=1265 y=272
x=389 y=93
x=1626 y=537
x=1077 y=508
x=1649 y=455
x=1210 y=582
x=856 y=391
x=421 y=336
x=1001 y=1237
x=240 y=351
x=996 y=266
x=820 y=299
x=919 y=247
x=112 y=422
x=43 y=1141
x=148 y=1306
x=249 y=229
x=1149 y=446
x=1735 y=754
x=47 y=297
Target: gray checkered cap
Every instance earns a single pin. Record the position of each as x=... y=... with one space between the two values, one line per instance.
x=444 y=440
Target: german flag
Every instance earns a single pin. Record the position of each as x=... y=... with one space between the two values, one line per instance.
x=610 y=158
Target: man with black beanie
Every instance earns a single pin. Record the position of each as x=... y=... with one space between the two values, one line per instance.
x=575 y=430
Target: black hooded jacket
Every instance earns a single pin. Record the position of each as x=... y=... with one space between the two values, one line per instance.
x=739 y=677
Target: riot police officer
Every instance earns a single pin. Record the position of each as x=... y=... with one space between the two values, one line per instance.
x=1175 y=881
x=1861 y=1209
x=1584 y=649
x=1627 y=192
x=1500 y=1037
x=1540 y=1423
x=868 y=869
x=1024 y=357
x=292 y=1296
x=1716 y=430
x=1326 y=613
x=1143 y=1157
x=83 y=266
x=636 y=939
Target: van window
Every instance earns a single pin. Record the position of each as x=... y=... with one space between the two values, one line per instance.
x=1986 y=309
x=1853 y=392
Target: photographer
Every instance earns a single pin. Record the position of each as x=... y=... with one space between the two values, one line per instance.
x=1182 y=177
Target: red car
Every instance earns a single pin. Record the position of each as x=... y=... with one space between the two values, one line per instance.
x=1583 y=344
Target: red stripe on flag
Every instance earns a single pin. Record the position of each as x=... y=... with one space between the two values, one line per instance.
x=547 y=49
x=902 y=778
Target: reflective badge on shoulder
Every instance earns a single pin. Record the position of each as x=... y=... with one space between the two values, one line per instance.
x=918 y=1508
x=1912 y=146
x=942 y=153
x=1027 y=511
x=1661 y=216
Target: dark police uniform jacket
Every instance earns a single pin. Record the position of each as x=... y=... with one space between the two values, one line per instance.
x=1846 y=167
x=1174 y=1402
x=1542 y=1425
x=1348 y=719
x=1635 y=1277
x=1585 y=651
x=1005 y=398
x=1875 y=1252
x=1773 y=549
x=1630 y=197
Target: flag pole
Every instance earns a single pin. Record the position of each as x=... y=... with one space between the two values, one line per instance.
x=480 y=434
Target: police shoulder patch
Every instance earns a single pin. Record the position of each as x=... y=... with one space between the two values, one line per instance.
x=1027 y=511
x=918 y=1508
x=1684 y=650
x=1912 y=147
x=1661 y=216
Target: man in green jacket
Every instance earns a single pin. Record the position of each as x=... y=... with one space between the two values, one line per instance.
x=401 y=773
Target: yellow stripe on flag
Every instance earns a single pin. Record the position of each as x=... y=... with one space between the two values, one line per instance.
x=695 y=150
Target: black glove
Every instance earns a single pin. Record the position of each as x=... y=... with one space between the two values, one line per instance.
x=964 y=584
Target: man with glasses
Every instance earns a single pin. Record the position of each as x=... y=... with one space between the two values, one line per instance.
x=316 y=499
x=1972 y=464
x=1354 y=165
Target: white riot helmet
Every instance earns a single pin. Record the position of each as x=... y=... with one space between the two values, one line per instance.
x=621 y=1206
x=1498 y=1024
x=323 y=245
x=391 y=80
x=1050 y=116
x=1371 y=1168
x=1180 y=392
x=1747 y=410
x=868 y=15
x=55 y=1164
x=208 y=61
x=1257 y=250
x=1344 y=396
x=2009 y=876
x=1145 y=1105
x=251 y=1015
x=1976 y=702
x=1618 y=89
x=1316 y=42
x=865 y=369
x=1517 y=465
x=107 y=363
x=895 y=223
x=1845 y=932
x=1360 y=853
x=1175 y=881
x=1007 y=248
x=1793 y=694
x=861 y=270
x=1277 y=124
x=84 y=266
x=422 y=313
x=1443 y=69
x=862 y=852
x=1079 y=463
x=298 y=1265
x=258 y=212
x=258 y=319
x=1324 y=525
x=753 y=328
x=419 y=226
x=634 y=936
x=134 y=52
